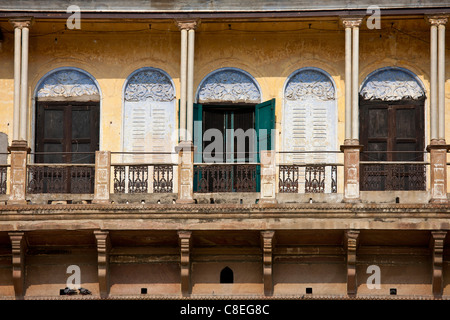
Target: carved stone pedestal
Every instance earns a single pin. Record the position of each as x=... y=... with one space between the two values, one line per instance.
x=185 y=172
x=18 y=181
x=268 y=177
x=102 y=177
x=438 y=171
x=351 y=171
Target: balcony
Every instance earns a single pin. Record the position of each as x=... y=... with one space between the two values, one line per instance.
x=134 y=178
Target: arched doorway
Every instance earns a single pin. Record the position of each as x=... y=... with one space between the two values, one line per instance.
x=309 y=132
x=231 y=126
x=67 y=117
x=67 y=130
x=149 y=116
x=392 y=128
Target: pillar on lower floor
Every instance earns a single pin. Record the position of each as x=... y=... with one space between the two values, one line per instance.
x=103 y=249
x=18 y=245
x=184 y=239
x=351 y=245
x=267 y=243
x=437 y=249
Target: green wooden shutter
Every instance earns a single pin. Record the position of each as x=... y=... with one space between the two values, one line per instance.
x=197 y=139
x=198 y=132
x=179 y=103
x=264 y=123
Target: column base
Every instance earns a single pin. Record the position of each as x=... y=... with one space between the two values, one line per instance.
x=16 y=202
x=267 y=201
x=19 y=145
x=185 y=201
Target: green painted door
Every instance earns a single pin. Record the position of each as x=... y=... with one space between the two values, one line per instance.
x=264 y=124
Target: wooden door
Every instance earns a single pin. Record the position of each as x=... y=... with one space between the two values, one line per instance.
x=392 y=131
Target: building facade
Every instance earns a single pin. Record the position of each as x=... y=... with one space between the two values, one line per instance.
x=219 y=149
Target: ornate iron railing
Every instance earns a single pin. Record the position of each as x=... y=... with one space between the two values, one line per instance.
x=134 y=178
x=3 y=178
x=315 y=178
x=227 y=177
x=386 y=176
x=60 y=178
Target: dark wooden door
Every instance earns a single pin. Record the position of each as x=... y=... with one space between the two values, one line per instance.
x=67 y=131
x=392 y=131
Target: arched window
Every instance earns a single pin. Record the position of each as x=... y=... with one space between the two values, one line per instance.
x=67 y=117
x=231 y=125
x=309 y=121
x=149 y=115
x=226 y=275
x=392 y=128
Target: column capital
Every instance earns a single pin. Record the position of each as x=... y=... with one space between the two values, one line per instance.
x=351 y=21
x=22 y=22
x=187 y=24
x=437 y=20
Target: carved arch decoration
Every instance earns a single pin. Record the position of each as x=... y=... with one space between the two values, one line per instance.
x=67 y=83
x=309 y=83
x=229 y=85
x=391 y=84
x=149 y=84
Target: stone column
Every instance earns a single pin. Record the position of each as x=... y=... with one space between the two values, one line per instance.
x=18 y=174
x=351 y=244
x=103 y=249
x=102 y=177
x=438 y=148
x=351 y=147
x=267 y=242
x=21 y=37
x=184 y=239
x=17 y=56
x=437 y=248
x=441 y=78
x=185 y=151
x=19 y=246
x=190 y=82
x=348 y=78
x=355 y=78
x=183 y=26
x=268 y=177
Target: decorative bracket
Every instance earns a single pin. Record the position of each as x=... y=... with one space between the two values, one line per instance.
x=184 y=239
x=437 y=248
x=19 y=246
x=103 y=249
x=351 y=244
x=267 y=242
